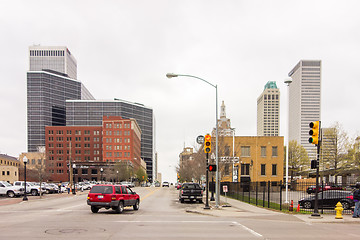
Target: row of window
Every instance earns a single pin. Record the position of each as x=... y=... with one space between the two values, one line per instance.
x=47 y=53
x=245 y=151
x=117 y=133
x=117 y=154
x=10 y=163
x=117 y=147
x=7 y=173
x=117 y=125
x=77 y=132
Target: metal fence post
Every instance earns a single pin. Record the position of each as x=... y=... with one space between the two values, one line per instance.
x=268 y=194
x=256 y=189
x=264 y=188
x=280 y=195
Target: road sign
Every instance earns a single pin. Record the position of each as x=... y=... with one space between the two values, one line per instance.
x=200 y=139
x=225 y=188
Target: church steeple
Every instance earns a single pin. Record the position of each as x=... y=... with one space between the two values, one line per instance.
x=223 y=111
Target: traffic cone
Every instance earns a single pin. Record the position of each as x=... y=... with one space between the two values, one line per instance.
x=298 y=208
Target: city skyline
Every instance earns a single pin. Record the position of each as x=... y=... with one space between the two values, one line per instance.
x=239 y=45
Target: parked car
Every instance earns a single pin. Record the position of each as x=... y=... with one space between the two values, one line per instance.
x=157 y=184
x=32 y=188
x=10 y=190
x=191 y=191
x=115 y=197
x=129 y=184
x=328 y=199
x=312 y=189
x=165 y=184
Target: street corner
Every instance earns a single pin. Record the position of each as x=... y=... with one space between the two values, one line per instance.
x=325 y=218
x=9 y=201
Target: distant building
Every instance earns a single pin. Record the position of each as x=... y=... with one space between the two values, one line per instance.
x=9 y=168
x=51 y=80
x=91 y=112
x=304 y=102
x=268 y=109
x=224 y=124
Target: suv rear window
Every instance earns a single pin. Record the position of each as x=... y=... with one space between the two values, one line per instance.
x=191 y=186
x=102 y=189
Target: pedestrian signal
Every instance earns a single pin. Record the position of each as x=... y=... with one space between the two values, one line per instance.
x=212 y=168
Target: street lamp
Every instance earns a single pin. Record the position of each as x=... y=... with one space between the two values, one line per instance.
x=25 y=160
x=117 y=175
x=217 y=185
x=74 y=167
x=101 y=173
x=287 y=81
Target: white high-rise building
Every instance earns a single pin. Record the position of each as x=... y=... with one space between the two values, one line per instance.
x=268 y=107
x=54 y=58
x=304 y=102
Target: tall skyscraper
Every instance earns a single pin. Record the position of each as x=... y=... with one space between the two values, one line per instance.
x=304 y=102
x=91 y=112
x=268 y=108
x=51 y=80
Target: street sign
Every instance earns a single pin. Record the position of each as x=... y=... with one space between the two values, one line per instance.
x=225 y=188
x=200 y=139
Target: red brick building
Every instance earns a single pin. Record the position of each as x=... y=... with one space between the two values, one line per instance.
x=91 y=148
x=121 y=140
x=80 y=144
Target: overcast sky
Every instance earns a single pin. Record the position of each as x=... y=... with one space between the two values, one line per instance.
x=125 y=48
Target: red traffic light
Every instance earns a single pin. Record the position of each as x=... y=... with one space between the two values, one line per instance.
x=207 y=147
x=212 y=168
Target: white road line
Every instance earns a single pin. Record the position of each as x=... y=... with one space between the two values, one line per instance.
x=248 y=229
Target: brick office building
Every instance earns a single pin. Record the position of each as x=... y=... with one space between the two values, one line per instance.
x=80 y=145
x=92 y=148
x=121 y=141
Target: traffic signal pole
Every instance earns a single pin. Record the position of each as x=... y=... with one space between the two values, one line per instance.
x=207 y=182
x=317 y=139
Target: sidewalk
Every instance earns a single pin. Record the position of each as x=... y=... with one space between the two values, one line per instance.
x=8 y=201
x=244 y=210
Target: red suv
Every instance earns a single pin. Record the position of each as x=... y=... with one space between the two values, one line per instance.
x=112 y=196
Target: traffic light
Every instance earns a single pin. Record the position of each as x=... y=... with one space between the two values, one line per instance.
x=314 y=132
x=212 y=168
x=207 y=144
x=314 y=164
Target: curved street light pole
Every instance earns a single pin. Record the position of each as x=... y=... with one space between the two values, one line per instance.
x=287 y=81
x=217 y=185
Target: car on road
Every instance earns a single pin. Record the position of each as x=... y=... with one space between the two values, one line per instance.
x=165 y=184
x=191 y=191
x=10 y=190
x=115 y=197
x=129 y=184
x=328 y=199
x=312 y=189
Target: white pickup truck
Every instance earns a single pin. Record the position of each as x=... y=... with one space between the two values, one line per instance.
x=31 y=188
x=10 y=190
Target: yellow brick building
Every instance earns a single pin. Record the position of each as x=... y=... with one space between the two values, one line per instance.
x=257 y=159
x=9 y=168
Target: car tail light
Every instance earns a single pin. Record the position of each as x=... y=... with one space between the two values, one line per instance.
x=113 y=197
x=182 y=191
x=88 y=197
x=202 y=192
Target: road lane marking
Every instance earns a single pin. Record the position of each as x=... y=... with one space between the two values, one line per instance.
x=149 y=194
x=248 y=229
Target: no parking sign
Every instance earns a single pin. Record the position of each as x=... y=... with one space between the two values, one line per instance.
x=225 y=188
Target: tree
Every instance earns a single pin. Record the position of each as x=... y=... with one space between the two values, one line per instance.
x=141 y=175
x=298 y=158
x=335 y=146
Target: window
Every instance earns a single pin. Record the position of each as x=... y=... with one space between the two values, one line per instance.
x=245 y=169
x=226 y=170
x=274 y=151
x=263 y=151
x=227 y=150
x=245 y=151
x=274 y=169
x=263 y=169
x=84 y=171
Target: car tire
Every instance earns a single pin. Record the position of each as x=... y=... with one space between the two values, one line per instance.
x=94 y=209
x=136 y=206
x=34 y=192
x=345 y=205
x=307 y=204
x=10 y=194
x=47 y=191
x=181 y=200
x=120 y=207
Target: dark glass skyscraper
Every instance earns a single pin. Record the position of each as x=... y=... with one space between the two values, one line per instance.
x=91 y=112
x=50 y=81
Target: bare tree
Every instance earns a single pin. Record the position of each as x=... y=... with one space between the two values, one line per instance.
x=298 y=158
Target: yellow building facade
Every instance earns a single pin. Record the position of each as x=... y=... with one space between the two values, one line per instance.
x=9 y=168
x=255 y=159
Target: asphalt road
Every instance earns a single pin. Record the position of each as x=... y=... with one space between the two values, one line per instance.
x=160 y=216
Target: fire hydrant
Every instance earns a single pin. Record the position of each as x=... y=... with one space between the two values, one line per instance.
x=339 y=210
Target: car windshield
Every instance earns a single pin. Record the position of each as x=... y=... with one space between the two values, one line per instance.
x=102 y=189
x=7 y=184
